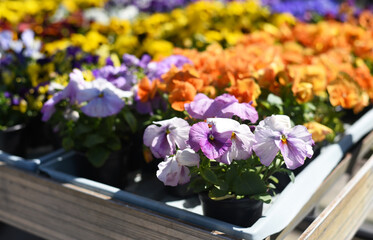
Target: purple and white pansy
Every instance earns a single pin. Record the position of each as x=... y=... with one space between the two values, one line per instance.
x=164 y=137
x=224 y=140
x=174 y=170
x=275 y=133
x=98 y=98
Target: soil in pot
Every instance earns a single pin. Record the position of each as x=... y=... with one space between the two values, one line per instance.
x=241 y=212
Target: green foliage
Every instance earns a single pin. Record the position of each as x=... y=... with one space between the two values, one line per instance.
x=319 y=110
x=97 y=138
x=98 y=155
x=8 y=116
x=244 y=178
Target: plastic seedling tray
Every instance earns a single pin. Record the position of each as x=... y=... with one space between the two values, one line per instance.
x=149 y=194
x=29 y=164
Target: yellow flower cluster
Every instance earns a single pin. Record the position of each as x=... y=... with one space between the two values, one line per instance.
x=197 y=25
x=74 y=5
x=17 y=10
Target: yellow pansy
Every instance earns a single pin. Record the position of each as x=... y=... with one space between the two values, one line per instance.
x=74 y=5
x=158 y=48
x=125 y=44
x=88 y=75
x=7 y=77
x=89 y=42
x=55 y=46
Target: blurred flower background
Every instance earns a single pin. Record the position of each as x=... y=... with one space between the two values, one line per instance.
x=310 y=60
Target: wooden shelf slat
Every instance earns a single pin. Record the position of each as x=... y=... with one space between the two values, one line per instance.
x=61 y=211
x=343 y=216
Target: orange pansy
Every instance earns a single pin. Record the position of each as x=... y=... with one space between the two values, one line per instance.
x=183 y=92
x=318 y=130
x=245 y=90
x=147 y=89
x=346 y=93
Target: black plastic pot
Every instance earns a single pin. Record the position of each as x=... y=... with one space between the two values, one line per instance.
x=241 y=212
x=12 y=141
x=114 y=171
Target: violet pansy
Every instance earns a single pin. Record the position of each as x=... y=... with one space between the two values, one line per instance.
x=102 y=98
x=163 y=137
x=205 y=136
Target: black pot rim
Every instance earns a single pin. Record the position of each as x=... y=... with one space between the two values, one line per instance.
x=15 y=127
x=205 y=197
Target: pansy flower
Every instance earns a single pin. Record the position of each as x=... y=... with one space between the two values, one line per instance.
x=115 y=75
x=274 y=134
x=209 y=139
x=242 y=139
x=102 y=98
x=225 y=106
x=164 y=137
x=70 y=92
x=174 y=170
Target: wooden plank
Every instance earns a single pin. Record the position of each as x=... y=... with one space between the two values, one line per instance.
x=343 y=216
x=327 y=184
x=61 y=211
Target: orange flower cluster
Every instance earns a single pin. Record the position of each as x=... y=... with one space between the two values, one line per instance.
x=314 y=59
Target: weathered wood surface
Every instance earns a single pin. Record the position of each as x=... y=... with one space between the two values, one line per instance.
x=343 y=216
x=327 y=184
x=61 y=211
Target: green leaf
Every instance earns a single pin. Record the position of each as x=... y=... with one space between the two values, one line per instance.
x=81 y=129
x=114 y=144
x=217 y=192
x=97 y=156
x=274 y=100
x=198 y=185
x=93 y=140
x=291 y=176
x=209 y=176
x=131 y=120
x=67 y=143
x=265 y=197
x=274 y=179
x=231 y=175
x=248 y=184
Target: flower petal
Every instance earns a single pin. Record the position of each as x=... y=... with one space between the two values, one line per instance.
x=187 y=157
x=107 y=105
x=243 y=110
x=184 y=176
x=197 y=133
x=169 y=171
x=294 y=152
x=200 y=107
x=150 y=133
x=276 y=123
x=265 y=146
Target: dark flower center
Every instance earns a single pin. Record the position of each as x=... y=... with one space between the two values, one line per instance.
x=211 y=137
x=283 y=139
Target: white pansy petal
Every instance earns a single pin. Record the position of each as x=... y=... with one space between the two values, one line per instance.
x=187 y=157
